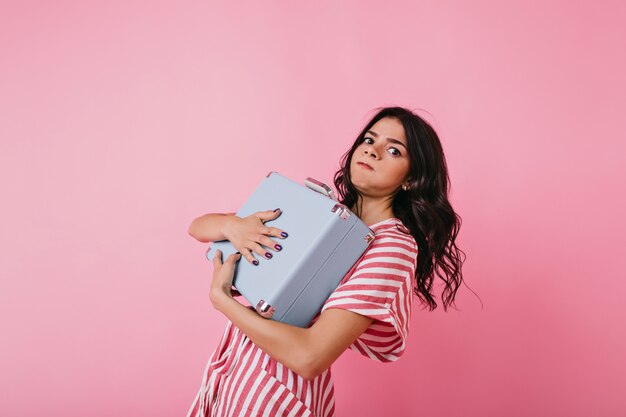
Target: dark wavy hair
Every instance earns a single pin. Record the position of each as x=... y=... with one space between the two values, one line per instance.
x=423 y=208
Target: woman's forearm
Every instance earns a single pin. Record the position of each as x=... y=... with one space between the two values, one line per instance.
x=289 y=345
x=209 y=227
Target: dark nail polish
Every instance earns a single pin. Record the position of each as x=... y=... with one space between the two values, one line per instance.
x=276 y=209
x=268 y=255
x=283 y=234
x=255 y=262
x=278 y=247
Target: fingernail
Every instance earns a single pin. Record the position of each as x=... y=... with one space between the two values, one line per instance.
x=268 y=255
x=278 y=247
x=275 y=210
x=255 y=262
x=283 y=234
x=237 y=253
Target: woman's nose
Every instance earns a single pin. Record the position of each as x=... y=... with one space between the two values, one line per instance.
x=370 y=152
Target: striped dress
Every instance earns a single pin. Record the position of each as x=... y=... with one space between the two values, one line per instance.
x=241 y=380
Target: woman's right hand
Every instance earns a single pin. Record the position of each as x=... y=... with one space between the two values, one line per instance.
x=249 y=234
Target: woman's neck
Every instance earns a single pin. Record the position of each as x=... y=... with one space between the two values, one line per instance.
x=373 y=211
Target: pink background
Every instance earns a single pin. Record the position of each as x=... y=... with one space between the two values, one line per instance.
x=120 y=123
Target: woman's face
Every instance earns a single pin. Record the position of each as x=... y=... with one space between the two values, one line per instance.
x=384 y=148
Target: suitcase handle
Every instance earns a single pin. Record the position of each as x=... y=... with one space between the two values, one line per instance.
x=320 y=187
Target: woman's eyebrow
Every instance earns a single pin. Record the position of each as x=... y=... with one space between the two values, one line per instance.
x=388 y=139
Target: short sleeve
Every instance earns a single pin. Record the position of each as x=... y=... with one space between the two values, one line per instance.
x=380 y=286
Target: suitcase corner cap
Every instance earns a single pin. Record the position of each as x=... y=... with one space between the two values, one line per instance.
x=265 y=309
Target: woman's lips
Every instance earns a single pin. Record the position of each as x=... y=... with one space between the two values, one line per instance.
x=364 y=165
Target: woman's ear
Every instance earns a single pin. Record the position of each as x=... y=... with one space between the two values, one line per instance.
x=406 y=184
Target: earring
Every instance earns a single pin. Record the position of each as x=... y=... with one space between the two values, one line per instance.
x=405 y=187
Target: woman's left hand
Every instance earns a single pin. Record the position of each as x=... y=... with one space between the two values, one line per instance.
x=223 y=272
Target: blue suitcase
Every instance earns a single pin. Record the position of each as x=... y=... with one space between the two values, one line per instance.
x=325 y=240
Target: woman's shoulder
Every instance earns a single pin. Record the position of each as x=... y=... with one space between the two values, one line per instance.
x=392 y=231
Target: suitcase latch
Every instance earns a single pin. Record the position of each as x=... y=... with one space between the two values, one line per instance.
x=341 y=210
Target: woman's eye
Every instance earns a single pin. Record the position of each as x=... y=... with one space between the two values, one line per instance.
x=395 y=153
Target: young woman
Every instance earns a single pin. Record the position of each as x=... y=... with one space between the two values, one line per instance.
x=394 y=177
